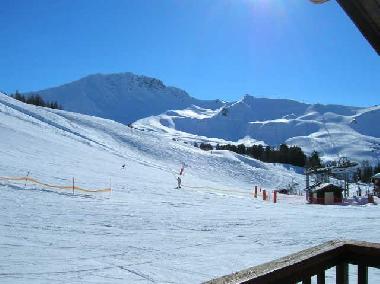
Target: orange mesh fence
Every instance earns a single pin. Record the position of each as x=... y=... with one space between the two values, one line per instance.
x=75 y=188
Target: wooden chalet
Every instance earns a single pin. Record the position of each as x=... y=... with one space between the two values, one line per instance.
x=376 y=184
x=326 y=194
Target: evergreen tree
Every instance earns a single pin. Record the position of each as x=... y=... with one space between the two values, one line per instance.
x=19 y=97
x=267 y=154
x=35 y=100
x=284 y=154
x=314 y=161
x=206 y=147
x=366 y=171
x=376 y=169
x=241 y=149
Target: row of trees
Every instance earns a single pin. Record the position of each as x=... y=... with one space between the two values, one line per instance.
x=36 y=100
x=292 y=155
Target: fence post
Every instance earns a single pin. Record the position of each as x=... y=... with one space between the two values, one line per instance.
x=275 y=197
x=255 y=191
x=73 y=185
x=26 y=179
x=264 y=195
x=110 y=188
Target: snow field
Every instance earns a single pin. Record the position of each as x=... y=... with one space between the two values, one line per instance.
x=146 y=231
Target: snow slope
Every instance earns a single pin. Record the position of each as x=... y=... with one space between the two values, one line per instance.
x=146 y=231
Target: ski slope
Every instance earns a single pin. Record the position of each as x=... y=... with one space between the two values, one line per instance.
x=146 y=231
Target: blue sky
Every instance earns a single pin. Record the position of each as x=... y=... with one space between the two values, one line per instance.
x=210 y=48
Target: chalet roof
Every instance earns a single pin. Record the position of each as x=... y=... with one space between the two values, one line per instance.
x=326 y=187
x=366 y=16
x=376 y=176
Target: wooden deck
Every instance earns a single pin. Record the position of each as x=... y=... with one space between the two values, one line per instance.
x=301 y=266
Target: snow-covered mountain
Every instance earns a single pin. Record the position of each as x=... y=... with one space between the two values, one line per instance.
x=123 y=97
x=127 y=98
x=332 y=130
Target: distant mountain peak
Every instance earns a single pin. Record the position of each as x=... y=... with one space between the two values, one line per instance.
x=248 y=99
x=124 y=97
x=126 y=78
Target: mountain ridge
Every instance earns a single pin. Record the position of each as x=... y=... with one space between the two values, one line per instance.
x=124 y=97
x=148 y=103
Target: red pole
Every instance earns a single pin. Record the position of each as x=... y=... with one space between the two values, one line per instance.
x=275 y=197
x=264 y=195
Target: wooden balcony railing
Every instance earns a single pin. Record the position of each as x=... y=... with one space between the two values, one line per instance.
x=302 y=266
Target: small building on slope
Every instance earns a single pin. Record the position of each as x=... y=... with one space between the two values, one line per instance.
x=326 y=194
x=376 y=184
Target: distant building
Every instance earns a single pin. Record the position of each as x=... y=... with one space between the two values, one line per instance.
x=326 y=193
x=376 y=184
x=282 y=190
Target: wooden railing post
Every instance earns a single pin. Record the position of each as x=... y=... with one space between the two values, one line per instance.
x=342 y=273
x=321 y=278
x=306 y=280
x=362 y=274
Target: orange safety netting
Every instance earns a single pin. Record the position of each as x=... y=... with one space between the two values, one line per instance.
x=75 y=188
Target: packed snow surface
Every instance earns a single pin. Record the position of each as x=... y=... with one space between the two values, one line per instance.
x=146 y=231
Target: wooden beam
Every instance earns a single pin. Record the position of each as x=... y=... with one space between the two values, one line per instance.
x=366 y=16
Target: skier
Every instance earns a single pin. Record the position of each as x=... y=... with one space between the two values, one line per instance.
x=179 y=182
